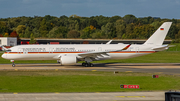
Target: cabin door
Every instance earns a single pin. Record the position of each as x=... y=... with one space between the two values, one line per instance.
x=137 y=49
x=20 y=50
x=99 y=49
x=51 y=50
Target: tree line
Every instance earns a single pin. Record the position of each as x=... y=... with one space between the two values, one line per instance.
x=95 y=27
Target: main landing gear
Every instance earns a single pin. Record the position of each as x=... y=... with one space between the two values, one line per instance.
x=13 y=64
x=87 y=64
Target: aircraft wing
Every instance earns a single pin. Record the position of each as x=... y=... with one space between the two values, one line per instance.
x=100 y=53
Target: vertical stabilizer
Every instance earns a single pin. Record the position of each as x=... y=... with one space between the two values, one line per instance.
x=158 y=37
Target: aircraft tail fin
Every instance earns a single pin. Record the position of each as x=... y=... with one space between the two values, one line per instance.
x=159 y=35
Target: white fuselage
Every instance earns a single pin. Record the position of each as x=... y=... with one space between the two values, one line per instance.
x=53 y=52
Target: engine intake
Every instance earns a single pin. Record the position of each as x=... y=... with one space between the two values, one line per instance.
x=68 y=60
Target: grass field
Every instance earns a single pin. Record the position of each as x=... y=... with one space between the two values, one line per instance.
x=84 y=81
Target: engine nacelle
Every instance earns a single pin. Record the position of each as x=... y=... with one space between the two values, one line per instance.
x=68 y=60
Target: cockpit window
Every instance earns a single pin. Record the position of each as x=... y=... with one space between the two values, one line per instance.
x=8 y=50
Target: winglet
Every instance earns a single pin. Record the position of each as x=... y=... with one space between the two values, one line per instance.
x=125 y=48
x=109 y=42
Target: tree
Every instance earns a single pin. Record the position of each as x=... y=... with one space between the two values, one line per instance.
x=108 y=27
x=32 y=40
x=27 y=33
x=173 y=31
x=6 y=34
x=120 y=28
x=21 y=30
x=61 y=32
x=114 y=19
x=63 y=17
x=52 y=33
x=97 y=34
x=92 y=27
x=74 y=16
x=3 y=27
x=13 y=34
x=94 y=23
x=86 y=32
x=142 y=32
x=36 y=33
x=77 y=26
x=43 y=29
x=110 y=30
x=129 y=18
x=73 y=34
x=156 y=24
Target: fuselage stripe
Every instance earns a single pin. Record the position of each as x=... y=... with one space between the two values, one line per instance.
x=76 y=52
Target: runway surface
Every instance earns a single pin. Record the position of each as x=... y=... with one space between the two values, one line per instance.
x=114 y=96
x=165 y=68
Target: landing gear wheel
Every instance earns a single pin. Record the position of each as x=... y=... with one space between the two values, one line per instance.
x=83 y=64
x=91 y=65
x=13 y=65
x=86 y=65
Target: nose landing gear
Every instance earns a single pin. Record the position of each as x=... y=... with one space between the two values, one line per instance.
x=13 y=64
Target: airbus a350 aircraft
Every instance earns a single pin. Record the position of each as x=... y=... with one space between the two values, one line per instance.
x=68 y=54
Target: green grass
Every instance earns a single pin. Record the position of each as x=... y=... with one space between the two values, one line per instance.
x=84 y=81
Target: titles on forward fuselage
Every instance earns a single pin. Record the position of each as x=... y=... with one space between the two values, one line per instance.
x=44 y=49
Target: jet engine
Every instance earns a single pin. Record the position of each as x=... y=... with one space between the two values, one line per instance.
x=68 y=60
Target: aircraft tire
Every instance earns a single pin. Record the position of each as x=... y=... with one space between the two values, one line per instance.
x=86 y=65
x=91 y=65
x=13 y=65
x=83 y=64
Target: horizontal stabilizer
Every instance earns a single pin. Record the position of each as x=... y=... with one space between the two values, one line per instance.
x=160 y=48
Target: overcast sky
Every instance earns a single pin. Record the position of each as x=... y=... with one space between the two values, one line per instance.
x=140 y=8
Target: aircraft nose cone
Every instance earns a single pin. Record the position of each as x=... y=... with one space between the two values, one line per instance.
x=3 y=56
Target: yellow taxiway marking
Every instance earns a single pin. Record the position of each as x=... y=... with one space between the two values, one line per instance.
x=15 y=69
x=128 y=71
x=94 y=70
x=159 y=72
x=56 y=92
x=15 y=93
x=56 y=69
x=131 y=96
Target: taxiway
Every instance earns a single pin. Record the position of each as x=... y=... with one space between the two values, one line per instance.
x=166 y=68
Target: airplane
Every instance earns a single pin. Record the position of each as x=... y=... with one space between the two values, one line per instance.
x=70 y=54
